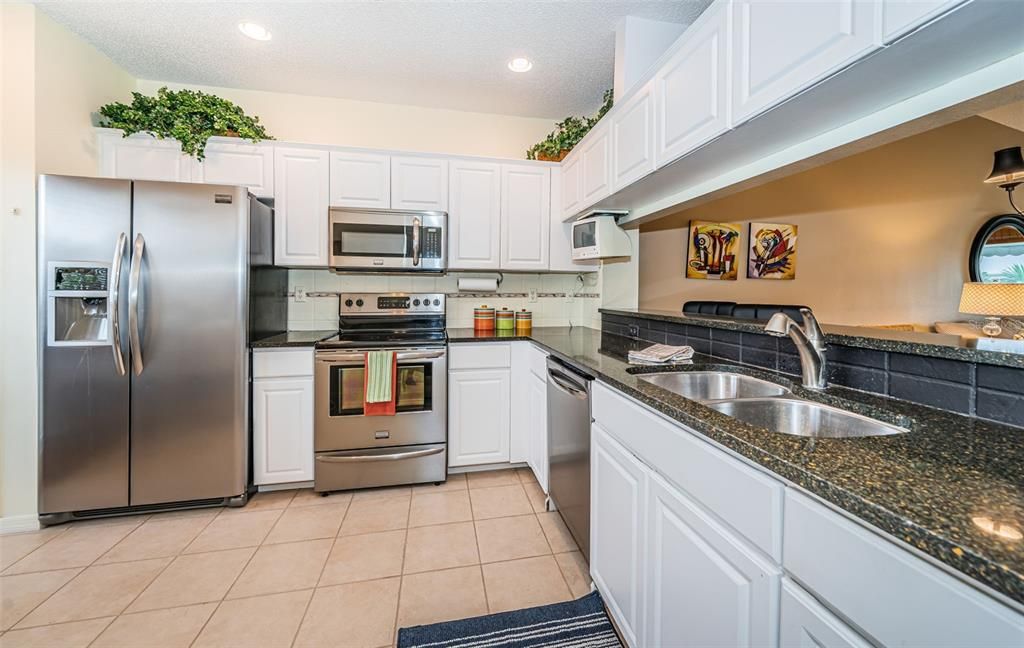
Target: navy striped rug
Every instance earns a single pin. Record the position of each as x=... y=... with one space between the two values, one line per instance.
x=575 y=624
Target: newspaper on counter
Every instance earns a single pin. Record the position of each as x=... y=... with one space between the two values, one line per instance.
x=660 y=354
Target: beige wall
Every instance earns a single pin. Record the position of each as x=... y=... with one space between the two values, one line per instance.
x=51 y=82
x=883 y=235
x=344 y=122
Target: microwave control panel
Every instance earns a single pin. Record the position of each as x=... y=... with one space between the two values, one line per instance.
x=431 y=242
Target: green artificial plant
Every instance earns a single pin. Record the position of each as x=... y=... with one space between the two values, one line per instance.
x=567 y=134
x=188 y=116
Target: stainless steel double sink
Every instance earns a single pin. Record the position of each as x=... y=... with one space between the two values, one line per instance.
x=768 y=405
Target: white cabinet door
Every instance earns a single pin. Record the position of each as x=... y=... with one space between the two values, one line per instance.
x=632 y=150
x=360 y=180
x=282 y=430
x=300 y=207
x=618 y=483
x=519 y=415
x=143 y=157
x=474 y=215
x=234 y=163
x=419 y=183
x=525 y=217
x=691 y=91
x=782 y=47
x=537 y=437
x=595 y=161
x=572 y=184
x=703 y=586
x=805 y=623
x=900 y=17
x=478 y=416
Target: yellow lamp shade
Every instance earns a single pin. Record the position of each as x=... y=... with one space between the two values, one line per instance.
x=992 y=299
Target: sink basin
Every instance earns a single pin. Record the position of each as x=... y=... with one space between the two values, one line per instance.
x=713 y=385
x=804 y=418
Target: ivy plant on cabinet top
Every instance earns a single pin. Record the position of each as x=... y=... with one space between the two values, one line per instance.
x=567 y=134
x=189 y=116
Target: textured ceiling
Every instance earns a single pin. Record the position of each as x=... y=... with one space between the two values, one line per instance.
x=449 y=54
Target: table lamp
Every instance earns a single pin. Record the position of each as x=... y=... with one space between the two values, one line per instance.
x=993 y=300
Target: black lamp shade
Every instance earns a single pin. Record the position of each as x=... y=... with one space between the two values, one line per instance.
x=1008 y=167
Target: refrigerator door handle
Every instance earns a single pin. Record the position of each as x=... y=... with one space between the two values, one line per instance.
x=114 y=303
x=133 y=304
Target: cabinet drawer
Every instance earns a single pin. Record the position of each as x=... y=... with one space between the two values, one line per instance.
x=479 y=356
x=280 y=363
x=742 y=496
x=867 y=577
x=538 y=361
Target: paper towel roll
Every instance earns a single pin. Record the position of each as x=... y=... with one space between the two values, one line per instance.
x=473 y=284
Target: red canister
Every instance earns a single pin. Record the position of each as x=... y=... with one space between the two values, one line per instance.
x=483 y=318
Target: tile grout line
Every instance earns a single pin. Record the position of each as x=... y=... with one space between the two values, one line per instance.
x=43 y=544
x=401 y=577
x=316 y=585
x=479 y=554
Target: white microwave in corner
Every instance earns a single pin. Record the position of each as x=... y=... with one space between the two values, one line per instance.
x=598 y=236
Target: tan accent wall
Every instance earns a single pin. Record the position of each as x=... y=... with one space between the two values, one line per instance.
x=883 y=235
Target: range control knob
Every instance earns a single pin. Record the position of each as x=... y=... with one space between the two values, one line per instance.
x=359 y=303
x=348 y=302
x=437 y=302
x=415 y=302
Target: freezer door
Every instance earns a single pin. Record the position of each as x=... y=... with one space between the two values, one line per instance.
x=187 y=322
x=83 y=427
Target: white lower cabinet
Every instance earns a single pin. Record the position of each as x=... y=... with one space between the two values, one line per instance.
x=617 y=498
x=478 y=416
x=806 y=623
x=282 y=416
x=537 y=429
x=702 y=585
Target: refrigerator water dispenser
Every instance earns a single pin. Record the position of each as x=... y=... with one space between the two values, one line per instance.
x=77 y=304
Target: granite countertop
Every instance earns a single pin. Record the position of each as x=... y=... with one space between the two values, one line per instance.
x=292 y=339
x=1004 y=352
x=922 y=488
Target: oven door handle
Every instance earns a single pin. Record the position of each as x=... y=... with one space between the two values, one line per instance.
x=358 y=358
x=396 y=456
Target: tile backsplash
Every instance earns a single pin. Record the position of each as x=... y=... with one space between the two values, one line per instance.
x=560 y=298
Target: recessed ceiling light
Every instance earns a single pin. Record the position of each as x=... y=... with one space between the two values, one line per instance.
x=255 y=31
x=520 y=65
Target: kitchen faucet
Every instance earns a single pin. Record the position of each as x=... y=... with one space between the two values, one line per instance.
x=809 y=341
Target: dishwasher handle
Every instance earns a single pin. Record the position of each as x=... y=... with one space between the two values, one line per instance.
x=566 y=384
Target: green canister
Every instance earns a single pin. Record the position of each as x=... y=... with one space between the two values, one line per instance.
x=505 y=320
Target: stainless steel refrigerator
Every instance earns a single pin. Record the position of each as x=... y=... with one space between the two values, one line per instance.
x=149 y=293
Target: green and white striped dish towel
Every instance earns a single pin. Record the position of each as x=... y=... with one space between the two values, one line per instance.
x=378 y=383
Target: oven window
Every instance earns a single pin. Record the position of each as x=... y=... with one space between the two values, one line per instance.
x=371 y=240
x=584 y=235
x=414 y=389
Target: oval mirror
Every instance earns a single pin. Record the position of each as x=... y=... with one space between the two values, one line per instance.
x=997 y=253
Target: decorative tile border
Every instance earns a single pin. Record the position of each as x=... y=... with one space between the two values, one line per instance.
x=468 y=295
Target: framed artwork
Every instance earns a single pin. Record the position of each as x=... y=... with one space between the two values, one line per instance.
x=712 y=251
x=772 y=251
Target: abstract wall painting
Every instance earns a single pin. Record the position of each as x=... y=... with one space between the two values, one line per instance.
x=772 y=251
x=713 y=251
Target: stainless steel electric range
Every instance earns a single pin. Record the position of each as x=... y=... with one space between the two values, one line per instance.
x=354 y=450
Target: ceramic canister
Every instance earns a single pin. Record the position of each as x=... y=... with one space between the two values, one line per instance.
x=505 y=320
x=483 y=318
x=524 y=321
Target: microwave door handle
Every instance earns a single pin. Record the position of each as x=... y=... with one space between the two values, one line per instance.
x=416 y=241
x=134 y=278
x=114 y=303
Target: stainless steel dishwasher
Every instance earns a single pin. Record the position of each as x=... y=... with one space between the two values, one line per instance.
x=569 y=448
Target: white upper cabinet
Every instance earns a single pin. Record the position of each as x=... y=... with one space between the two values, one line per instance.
x=525 y=217
x=300 y=207
x=783 y=47
x=595 y=163
x=900 y=17
x=143 y=157
x=419 y=183
x=571 y=185
x=474 y=215
x=691 y=91
x=560 y=233
x=360 y=180
x=632 y=127
x=236 y=163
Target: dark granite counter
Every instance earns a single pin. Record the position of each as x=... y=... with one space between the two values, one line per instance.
x=292 y=339
x=924 y=488
x=1003 y=352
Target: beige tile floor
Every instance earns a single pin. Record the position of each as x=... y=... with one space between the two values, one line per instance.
x=291 y=568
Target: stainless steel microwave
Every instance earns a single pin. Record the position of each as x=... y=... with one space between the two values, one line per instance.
x=384 y=240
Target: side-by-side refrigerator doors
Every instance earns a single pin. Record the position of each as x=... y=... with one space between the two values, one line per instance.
x=187 y=322
x=84 y=227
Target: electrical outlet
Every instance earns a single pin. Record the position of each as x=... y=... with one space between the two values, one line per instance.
x=634 y=330
x=533 y=296
x=300 y=294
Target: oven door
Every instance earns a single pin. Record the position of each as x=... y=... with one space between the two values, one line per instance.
x=339 y=422
x=386 y=240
